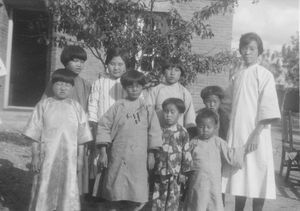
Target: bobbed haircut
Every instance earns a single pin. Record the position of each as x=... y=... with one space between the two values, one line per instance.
x=207 y=113
x=72 y=52
x=132 y=76
x=174 y=101
x=212 y=90
x=247 y=38
x=63 y=75
x=173 y=62
x=115 y=52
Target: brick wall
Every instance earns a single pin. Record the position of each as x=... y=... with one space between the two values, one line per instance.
x=221 y=26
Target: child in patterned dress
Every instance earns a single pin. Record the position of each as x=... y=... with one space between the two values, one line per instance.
x=173 y=160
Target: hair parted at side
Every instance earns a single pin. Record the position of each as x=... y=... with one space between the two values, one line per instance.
x=124 y=54
x=247 y=38
x=72 y=52
x=212 y=90
x=63 y=75
x=132 y=76
x=207 y=113
x=175 y=101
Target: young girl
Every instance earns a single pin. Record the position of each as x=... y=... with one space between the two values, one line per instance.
x=172 y=71
x=254 y=108
x=212 y=97
x=105 y=92
x=127 y=133
x=73 y=58
x=208 y=150
x=58 y=125
x=173 y=159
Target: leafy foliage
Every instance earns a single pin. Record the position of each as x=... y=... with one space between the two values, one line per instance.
x=284 y=64
x=147 y=35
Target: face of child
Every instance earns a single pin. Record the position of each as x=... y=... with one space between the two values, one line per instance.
x=76 y=65
x=212 y=102
x=171 y=115
x=116 y=67
x=134 y=91
x=172 y=75
x=250 y=53
x=61 y=89
x=206 y=128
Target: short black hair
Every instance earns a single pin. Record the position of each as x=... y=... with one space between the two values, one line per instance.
x=175 y=101
x=173 y=62
x=63 y=75
x=131 y=76
x=207 y=113
x=124 y=54
x=247 y=38
x=72 y=52
x=212 y=90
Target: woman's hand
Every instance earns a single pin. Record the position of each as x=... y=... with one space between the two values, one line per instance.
x=102 y=159
x=151 y=160
x=253 y=140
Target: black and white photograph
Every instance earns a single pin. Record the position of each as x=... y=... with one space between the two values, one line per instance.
x=149 y=105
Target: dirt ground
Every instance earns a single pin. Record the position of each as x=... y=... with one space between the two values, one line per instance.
x=16 y=179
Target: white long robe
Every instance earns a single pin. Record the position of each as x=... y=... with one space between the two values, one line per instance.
x=59 y=126
x=254 y=99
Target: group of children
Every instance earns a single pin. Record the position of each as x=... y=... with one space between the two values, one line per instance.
x=143 y=156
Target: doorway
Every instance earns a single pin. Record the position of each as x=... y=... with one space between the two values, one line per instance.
x=29 y=56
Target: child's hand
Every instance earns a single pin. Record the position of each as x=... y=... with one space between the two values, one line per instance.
x=181 y=179
x=102 y=160
x=35 y=164
x=151 y=160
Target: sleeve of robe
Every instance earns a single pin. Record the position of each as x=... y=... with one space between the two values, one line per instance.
x=84 y=133
x=231 y=156
x=268 y=107
x=93 y=102
x=151 y=95
x=189 y=115
x=34 y=126
x=154 y=130
x=105 y=126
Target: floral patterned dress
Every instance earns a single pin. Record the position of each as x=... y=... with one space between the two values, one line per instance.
x=173 y=160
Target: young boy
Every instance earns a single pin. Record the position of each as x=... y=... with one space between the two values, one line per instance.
x=172 y=71
x=58 y=125
x=127 y=135
x=204 y=191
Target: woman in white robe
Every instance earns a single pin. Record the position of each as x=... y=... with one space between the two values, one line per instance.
x=254 y=107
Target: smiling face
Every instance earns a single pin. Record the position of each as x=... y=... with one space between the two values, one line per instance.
x=171 y=114
x=172 y=75
x=75 y=65
x=61 y=89
x=134 y=91
x=116 y=67
x=212 y=102
x=250 y=53
x=206 y=128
